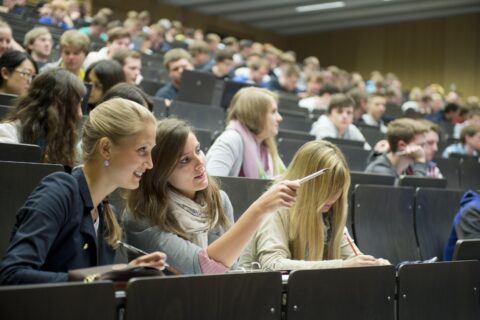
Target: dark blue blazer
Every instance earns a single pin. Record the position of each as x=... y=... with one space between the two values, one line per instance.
x=54 y=233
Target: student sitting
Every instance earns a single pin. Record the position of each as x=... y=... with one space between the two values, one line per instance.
x=337 y=123
x=469 y=142
x=466 y=223
x=312 y=233
x=180 y=210
x=247 y=147
x=66 y=223
x=406 y=138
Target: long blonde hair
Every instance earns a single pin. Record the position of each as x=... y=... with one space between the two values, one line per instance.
x=306 y=225
x=115 y=119
x=250 y=107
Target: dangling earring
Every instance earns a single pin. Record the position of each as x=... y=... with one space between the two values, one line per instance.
x=106 y=163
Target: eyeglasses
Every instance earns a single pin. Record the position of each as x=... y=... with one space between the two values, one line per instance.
x=26 y=75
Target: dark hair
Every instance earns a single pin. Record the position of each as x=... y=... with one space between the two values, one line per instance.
x=129 y=92
x=328 y=87
x=11 y=59
x=108 y=72
x=340 y=101
x=48 y=114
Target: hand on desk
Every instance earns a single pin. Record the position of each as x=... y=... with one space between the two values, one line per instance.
x=365 y=261
x=155 y=259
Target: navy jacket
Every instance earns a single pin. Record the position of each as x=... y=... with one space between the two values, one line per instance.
x=168 y=91
x=466 y=224
x=54 y=233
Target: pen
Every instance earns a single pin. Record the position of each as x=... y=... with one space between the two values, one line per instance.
x=135 y=250
x=313 y=175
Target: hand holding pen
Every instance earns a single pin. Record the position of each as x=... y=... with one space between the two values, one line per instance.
x=155 y=259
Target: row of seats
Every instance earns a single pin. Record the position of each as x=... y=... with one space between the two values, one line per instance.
x=427 y=291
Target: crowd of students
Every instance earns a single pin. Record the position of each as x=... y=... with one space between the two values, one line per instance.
x=175 y=208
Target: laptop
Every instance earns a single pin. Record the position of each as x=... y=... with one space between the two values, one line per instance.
x=197 y=87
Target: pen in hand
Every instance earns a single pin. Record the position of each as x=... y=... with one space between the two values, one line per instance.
x=313 y=175
x=135 y=250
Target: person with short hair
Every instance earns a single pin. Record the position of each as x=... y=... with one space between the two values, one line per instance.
x=175 y=61
x=74 y=47
x=472 y=117
x=6 y=38
x=431 y=148
x=338 y=122
x=180 y=210
x=200 y=52
x=469 y=142
x=118 y=39
x=223 y=64
x=17 y=70
x=247 y=147
x=38 y=43
x=287 y=80
x=59 y=15
x=406 y=138
x=131 y=62
x=375 y=109
x=312 y=233
x=67 y=223
x=97 y=28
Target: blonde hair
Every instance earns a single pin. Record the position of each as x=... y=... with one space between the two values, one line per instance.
x=306 y=224
x=75 y=39
x=114 y=119
x=33 y=34
x=250 y=107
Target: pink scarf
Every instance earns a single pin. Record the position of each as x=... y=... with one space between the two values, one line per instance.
x=256 y=157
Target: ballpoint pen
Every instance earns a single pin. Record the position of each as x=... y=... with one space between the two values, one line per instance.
x=313 y=175
x=135 y=250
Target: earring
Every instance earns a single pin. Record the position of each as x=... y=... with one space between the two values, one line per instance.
x=106 y=163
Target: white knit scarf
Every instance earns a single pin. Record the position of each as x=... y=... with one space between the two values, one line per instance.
x=192 y=217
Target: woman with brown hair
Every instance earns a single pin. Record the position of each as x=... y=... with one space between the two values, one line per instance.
x=48 y=115
x=181 y=211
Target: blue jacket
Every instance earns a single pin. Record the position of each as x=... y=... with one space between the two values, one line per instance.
x=54 y=233
x=464 y=222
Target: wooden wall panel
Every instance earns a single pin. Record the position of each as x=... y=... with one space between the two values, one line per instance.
x=441 y=50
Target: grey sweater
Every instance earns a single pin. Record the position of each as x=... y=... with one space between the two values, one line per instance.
x=181 y=254
x=382 y=165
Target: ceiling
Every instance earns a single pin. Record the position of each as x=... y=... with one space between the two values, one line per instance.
x=281 y=16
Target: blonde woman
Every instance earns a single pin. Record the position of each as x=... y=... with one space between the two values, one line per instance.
x=311 y=234
x=247 y=147
x=65 y=223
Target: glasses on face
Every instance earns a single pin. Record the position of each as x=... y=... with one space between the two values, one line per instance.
x=26 y=75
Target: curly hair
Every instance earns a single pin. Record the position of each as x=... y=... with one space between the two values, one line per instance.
x=49 y=115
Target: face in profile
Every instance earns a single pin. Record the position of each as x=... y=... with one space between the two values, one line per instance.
x=131 y=157
x=190 y=175
x=97 y=88
x=272 y=122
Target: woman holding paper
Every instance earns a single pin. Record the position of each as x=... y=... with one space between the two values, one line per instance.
x=312 y=233
x=247 y=147
x=181 y=211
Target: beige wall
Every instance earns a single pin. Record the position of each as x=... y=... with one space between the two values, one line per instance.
x=444 y=50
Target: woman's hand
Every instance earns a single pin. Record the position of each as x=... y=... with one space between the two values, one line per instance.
x=281 y=195
x=155 y=259
x=364 y=261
